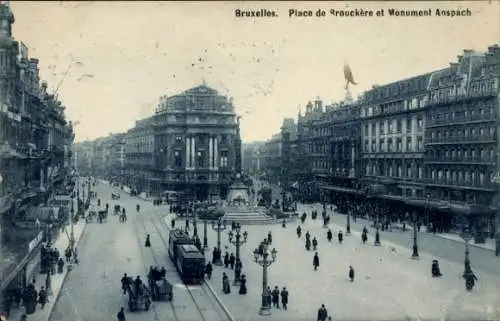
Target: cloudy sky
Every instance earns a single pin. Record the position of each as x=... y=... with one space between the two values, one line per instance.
x=130 y=53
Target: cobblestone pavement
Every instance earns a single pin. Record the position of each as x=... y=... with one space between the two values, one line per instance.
x=93 y=291
x=482 y=259
x=388 y=285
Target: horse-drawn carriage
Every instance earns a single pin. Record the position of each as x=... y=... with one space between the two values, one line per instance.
x=161 y=289
x=90 y=216
x=138 y=298
x=103 y=216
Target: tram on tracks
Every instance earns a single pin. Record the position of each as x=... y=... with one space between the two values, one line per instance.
x=187 y=258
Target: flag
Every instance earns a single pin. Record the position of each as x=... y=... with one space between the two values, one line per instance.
x=349 y=78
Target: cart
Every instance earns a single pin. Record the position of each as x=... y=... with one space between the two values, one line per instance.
x=141 y=301
x=161 y=290
x=103 y=216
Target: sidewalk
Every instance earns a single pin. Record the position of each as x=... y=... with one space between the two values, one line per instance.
x=488 y=245
x=57 y=279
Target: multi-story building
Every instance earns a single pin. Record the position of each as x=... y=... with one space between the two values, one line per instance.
x=461 y=140
x=272 y=158
x=310 y=155
x=139 y=166
x=34 y=155
x=191 y=144
x=344 y=151
x=425 y=146
x=392 y=135
x=252 y=157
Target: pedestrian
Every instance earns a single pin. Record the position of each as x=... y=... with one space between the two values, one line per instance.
x=316 y=261
x=269 y=238
x=340 y=237
x=23 y=318
x=276 y=297
x=208 y=270
x=351 y=274
x=329 y=235
x=243 y=285
x=42 y=297
x=226 y=260
x=148 y=241
x=120 y=316
x=75 y=256
x=214 y=255
x=284 y=298
x=172 y=223
x=226 y=287
x=232 y=260
x=269 y=296
x=322 y=313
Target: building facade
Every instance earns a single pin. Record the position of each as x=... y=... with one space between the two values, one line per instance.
x=35 y=155
x=423 y=148
x=191 y=145
x=461 y=140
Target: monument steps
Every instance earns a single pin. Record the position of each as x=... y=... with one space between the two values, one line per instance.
x=253 y=219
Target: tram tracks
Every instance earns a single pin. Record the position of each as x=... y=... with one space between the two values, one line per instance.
x=208 y=307
x=146 y=268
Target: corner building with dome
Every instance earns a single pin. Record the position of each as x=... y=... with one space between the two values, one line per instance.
x=191 y=146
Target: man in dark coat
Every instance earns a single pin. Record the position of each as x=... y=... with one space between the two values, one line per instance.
x=340 y=237
x=284 y=298
x=276 y=297
x=351 y=274
x=214 y=255
x=232 y=260
x=42 y=297
x=316 y=261
x=322 y=313
x=226 y=260
x=120 y=316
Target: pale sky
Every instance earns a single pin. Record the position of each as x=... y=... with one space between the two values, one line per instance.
x=133 y=52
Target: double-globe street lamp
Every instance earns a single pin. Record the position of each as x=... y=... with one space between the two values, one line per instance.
x=265 y=261
x=466 y=235
x=237 y=241
x=219 y=227
x=377 y=228
x=415 y=255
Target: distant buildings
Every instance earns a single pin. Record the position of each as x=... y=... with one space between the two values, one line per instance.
x=422 y=148
x=191 y=145
x=35 y=157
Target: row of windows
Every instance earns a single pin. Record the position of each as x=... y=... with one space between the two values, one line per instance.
x=394 y=145
x=464 y=132
x=394 y=107
x=393 y=126
x=393 y=170
x=459 y=176
x=472 y=153
x=201 y=159
x=484 y=110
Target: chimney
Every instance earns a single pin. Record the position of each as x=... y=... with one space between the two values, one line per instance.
x=453 y=67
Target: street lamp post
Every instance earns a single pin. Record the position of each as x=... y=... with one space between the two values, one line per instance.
x=348 y=227
x=237 y=242
x=377 y=228
x=264 y=261
x=467 y=237
x=205 y=238
x=496 y=181
x=415 y=255
x=219 y=227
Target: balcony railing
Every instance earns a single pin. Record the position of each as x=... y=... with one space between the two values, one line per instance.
x=476 y=159
x=487 y=92
x=461 y=139
x=463 y=183
x=459 y=120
